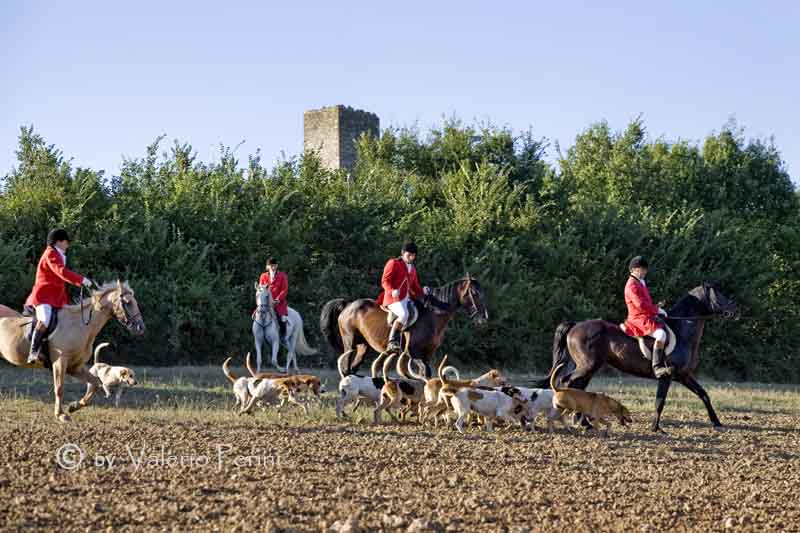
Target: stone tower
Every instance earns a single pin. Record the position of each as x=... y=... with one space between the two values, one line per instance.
x=332 y=132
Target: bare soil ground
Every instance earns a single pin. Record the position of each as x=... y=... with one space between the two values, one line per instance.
x=175 y=457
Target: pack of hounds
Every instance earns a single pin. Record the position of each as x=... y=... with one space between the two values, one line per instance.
x=485 y=399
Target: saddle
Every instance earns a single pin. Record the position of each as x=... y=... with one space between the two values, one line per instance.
x=647 y=353
x=413 y=314
x=30 y=312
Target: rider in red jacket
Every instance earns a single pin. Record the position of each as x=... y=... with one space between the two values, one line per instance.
x=278 y=283
x=49 y=291
x=400 y=284
x=643 y=315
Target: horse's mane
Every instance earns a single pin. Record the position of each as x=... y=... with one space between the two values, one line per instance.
x=98 y=294
x=689 y=305
x=448 y=293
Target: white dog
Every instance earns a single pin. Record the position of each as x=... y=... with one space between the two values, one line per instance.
x=355 y=388
x=112 y=377
x=491 y=404
x=240 y=385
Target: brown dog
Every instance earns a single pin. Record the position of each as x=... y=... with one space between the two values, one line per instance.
x=595 y=405
x=305 y=382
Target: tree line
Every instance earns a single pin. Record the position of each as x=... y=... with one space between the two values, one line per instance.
x=549 y=239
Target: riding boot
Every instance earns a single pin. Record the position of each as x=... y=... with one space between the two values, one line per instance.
x=282 y=330
x=35 y=354
x=660 y=368
x=394 y=339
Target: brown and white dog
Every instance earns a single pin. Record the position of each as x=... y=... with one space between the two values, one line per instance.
x=397 y=392
x=489 y=403
x=265 y=389
x=306 y=382
x=113 y=378
x=437 y=405
x=597 y=406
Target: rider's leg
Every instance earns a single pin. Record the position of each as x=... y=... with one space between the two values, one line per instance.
x=43 y=314
x=660 y=368
x=399 y=309
x=282 y=328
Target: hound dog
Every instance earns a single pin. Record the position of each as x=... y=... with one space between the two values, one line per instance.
x=491 y=404
x=305 y=382
x=394 y=393
x=240 y=389
x=595 y=405
x=536 y=401
x=115 y=378
x=355 y=388
x=436 y=405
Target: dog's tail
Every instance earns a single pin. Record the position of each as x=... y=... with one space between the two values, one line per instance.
x=376 y=365
x=404 y=368
x=100 y=348
x=249 y=364
x=560 y=351
x=228 y=373
x=387 y=364
x=553 y=377
x=441 y=373
x=340 y=363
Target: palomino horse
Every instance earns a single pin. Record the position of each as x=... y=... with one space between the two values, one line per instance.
x=265 y=328
x=361 y=324
x=586 y=346
x=71 y=343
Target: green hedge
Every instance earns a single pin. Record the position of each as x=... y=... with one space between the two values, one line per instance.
x=548 y=241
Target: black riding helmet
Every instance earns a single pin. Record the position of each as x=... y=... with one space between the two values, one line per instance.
x=410 y=247
x=638 y=262
x=57 y=235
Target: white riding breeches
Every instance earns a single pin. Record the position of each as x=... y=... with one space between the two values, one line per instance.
x=660 y=335
x=400 y=309
x=44 y=312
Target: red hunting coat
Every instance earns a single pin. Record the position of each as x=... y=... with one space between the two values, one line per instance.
x=397 y=276
x=279 y=289
x=51 y=273
x=642 y=311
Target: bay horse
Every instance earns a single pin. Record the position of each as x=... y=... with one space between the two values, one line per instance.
x=361 y=324
x=71 y=343
x=586 y=346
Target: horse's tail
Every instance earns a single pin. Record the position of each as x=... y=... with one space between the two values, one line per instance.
x=560 y=351
x=329 y=323
x=227 y=372
x=301 y=346
x=100 y=348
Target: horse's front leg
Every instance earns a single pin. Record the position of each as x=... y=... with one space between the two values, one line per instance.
x=690 y=383
x=59 y=371
x=275 y=344
x=661 y=400
x=92 y=385
x=258 y=340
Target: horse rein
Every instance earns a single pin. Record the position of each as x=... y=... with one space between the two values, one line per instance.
x=91 y=308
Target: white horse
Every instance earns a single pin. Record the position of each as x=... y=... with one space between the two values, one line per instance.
x=265 y=328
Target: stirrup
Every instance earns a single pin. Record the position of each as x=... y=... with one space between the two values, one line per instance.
x=662 y=371
x=393 y=346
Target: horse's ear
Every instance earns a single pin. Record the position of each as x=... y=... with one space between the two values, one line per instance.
x=119 y=285
x=255 y=285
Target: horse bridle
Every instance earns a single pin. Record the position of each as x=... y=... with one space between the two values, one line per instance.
x=127 y=319
x=709 y=304
x=267 y=313
x=475 y=310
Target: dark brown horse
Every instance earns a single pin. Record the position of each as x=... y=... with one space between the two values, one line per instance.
x=586 y=346
x=359 y=325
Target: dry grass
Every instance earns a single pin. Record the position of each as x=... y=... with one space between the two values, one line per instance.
x=289 y=471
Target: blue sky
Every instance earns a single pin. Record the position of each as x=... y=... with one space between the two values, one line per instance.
x=101 y=80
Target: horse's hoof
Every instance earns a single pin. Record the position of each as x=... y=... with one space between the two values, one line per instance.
x=720 y=428
x=64 y=418
x=71 y=408
x=658 y=431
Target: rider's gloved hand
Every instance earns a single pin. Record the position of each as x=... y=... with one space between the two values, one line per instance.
x=87 y=283
x=661 y=311
x=396 y=293
x=426 y=290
